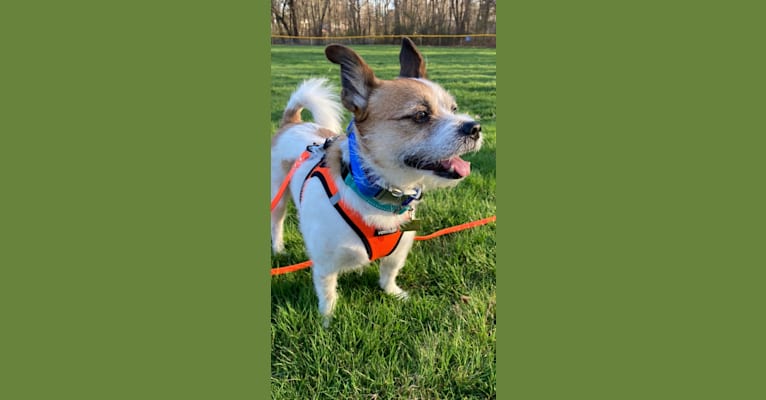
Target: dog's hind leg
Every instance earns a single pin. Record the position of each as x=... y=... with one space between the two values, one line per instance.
x=326 y=287
x=390 y=266
x=278 y=174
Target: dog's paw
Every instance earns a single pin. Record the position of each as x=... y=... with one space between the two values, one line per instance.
x=326 y=319
x=403 y=296
x=399 y=293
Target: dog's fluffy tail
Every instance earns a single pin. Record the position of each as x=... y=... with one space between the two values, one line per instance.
x=319 y=97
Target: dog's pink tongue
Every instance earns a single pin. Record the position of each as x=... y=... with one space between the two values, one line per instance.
x=457 y=164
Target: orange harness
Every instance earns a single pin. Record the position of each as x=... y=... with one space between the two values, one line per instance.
x=377 y=243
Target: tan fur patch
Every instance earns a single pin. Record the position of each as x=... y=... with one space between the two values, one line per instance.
x=323 y=132
x=326 y=133
x=291 y=116
x=391 y=107
x=395 y=99
x=334 y=158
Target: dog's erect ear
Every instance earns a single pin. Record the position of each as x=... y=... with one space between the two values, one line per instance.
x=357 y=78
x=411 y=61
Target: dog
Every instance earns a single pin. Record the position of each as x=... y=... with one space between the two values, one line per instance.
x=356 y=193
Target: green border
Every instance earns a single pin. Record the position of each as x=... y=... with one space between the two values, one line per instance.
x=632 y=213
x=262 y=339
x=135 y=231
x=504 y=324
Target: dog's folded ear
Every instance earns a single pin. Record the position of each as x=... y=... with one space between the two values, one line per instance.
x=411 y=61
x=357 y=78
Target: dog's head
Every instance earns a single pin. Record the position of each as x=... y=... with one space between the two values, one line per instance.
x=409 y=131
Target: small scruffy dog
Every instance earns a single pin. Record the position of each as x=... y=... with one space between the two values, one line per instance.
x=357 y=193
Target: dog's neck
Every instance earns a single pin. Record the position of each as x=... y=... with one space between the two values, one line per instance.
x=367 y=184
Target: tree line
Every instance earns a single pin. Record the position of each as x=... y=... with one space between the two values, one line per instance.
x=333 y=18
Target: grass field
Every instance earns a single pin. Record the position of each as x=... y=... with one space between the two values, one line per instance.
x=440 y=344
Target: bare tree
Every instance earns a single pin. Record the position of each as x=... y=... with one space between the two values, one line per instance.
x=278 y=17
x=317 y=12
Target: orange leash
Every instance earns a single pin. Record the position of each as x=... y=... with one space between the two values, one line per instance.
x=456 y=228
x=290 y=268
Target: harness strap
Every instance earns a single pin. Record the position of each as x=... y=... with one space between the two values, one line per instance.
x=377 y=243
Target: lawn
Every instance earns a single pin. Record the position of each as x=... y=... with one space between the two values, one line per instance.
x=440 y=344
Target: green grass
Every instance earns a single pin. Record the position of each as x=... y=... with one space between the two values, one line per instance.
x=440 y=344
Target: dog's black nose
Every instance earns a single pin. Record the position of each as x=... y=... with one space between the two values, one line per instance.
x=471 y=129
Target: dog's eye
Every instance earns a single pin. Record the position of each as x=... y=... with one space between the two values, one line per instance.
x=421 y=117
x=454 y=108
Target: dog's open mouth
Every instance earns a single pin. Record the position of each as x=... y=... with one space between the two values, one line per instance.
x=453 y=168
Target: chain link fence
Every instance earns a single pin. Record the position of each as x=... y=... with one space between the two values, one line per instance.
x=463 y=40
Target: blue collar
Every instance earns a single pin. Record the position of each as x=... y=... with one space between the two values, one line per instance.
x=362 y=182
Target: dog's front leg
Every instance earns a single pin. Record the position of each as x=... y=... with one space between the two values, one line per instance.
x=390 y=266
x=326 y=287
